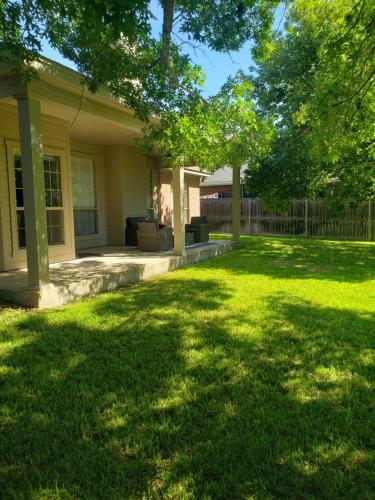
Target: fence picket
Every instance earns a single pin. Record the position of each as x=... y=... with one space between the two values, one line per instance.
x=303 y=218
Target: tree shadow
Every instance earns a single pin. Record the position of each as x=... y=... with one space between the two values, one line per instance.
x=161 y=391
x=298 y=258
x=62 y=386
x=288 y=414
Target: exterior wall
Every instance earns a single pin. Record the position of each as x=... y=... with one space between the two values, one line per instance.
x=126 y=183
x=55 y=141
x=194 y=196
x=136 y=168
x=95 y=153
x=165 y=196
x=113 y=181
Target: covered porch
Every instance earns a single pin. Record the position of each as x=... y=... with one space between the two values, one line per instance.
x=56 y=116
x=100 y=269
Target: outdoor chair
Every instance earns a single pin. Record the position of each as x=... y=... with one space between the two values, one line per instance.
x=189 y=238
x=131 y=229
x=198 y=226
x=153 y=237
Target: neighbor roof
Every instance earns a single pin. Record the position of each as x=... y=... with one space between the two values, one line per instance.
x=222 y=177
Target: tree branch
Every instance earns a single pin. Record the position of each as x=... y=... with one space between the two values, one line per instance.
x=363 y=2
x=168 y=14
x=358 y=90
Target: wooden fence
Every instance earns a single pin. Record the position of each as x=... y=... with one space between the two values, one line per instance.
x=311 y=218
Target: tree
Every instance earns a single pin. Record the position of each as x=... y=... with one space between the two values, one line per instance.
x=317 y=80
x=223 y=131
x=111 y=42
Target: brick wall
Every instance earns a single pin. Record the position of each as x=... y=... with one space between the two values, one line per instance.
x=165 y=202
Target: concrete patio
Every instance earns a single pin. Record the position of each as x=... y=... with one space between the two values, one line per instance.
x=101 y=269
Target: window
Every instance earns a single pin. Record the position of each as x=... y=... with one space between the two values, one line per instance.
x=171 y=210
x=186 y=206
x=84 y=197
x=53 y=195
x=186 y=219
x=150 y=193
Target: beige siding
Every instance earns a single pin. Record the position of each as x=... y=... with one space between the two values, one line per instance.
x=114 y=196
x=95 y=153
x=55 y=141
x=126 y=172
x=135 y=182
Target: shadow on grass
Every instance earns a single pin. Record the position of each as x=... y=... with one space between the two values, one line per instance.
x=299 y=258
x=157 y=391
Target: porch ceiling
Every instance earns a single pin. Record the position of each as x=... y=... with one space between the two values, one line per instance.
x=92 y=128
x=98 y=118
x=100 y=131
x=88 y=127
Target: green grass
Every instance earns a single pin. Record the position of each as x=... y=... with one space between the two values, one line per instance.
x=248 y=375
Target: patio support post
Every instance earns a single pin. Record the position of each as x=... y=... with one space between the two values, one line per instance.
x=178 y=211
x=30 y=131
x=236 y=204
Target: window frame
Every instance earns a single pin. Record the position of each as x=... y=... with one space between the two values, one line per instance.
x=13 y=148
x=150 y=193
x=186 y=203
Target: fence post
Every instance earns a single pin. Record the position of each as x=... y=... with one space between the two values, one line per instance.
x=306 y=218
x=369 y=224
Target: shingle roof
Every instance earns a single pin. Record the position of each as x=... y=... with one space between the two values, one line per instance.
x=221 y=177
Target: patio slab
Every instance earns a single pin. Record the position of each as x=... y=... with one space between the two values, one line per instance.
x=101 y=269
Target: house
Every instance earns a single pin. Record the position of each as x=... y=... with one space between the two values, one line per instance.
x=70 y=175
x=219 y=184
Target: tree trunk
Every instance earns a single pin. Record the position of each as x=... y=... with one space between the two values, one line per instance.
x=168 y=12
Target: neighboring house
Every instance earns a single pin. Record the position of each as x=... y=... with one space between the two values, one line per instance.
x=219 y=184
x=94 y=176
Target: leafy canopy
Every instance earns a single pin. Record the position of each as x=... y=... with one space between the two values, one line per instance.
x=112 y=44
x=317 y=80
x=225 y=130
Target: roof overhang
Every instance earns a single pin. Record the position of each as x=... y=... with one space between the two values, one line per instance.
x=194 y=171
x=206 y=183
x=99 y=118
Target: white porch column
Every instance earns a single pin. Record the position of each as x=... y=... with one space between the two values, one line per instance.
x=178 y=210
x=30 y=130
x=236 y=204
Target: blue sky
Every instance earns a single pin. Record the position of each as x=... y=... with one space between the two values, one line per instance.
x=216 y=66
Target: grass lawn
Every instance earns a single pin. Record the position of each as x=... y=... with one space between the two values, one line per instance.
x=248 y=375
